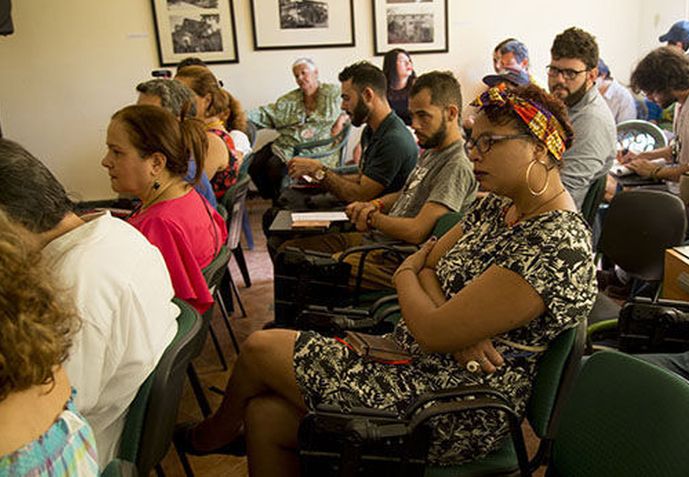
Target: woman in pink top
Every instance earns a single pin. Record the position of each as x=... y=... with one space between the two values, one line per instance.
x=148 y=154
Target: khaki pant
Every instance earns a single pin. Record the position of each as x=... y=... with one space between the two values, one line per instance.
x=378 y=267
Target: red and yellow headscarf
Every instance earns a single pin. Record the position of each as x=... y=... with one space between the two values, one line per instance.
x=541 y=122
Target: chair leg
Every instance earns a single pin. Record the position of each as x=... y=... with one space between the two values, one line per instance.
x=246 y=229
x=241 y=263
x=226 y=318
x=236 y=294
x=218 y=348
x=185 y=462
x=198 y=391
x=225 y=291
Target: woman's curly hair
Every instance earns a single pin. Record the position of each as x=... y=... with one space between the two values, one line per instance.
x=36 y=327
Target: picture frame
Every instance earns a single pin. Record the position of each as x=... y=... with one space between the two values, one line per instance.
x=201 y=28
x=418 y=26
x=293 y=24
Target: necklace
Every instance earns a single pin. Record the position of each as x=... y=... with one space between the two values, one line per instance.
x=159 y=197
x=522 y=215
x=215 y=124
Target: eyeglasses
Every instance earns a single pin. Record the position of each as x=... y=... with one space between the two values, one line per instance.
x=484 y=143
x=568 y=74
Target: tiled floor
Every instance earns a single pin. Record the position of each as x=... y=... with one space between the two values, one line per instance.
x=258 y=301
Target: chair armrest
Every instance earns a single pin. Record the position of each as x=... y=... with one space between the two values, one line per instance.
x=401 y=250
x=371 y=425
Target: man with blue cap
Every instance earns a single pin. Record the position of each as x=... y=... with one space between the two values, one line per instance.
x=677 y=35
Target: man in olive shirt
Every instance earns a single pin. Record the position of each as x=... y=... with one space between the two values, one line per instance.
x=389 y=149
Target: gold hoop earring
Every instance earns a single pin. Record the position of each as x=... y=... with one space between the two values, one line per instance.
x=533 y=192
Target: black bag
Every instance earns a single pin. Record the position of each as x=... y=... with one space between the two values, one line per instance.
x=372 y=444
x=645 y=326
x=307 y=278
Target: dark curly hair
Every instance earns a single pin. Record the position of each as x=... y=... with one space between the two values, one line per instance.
x=36 y=327
x=502 y=115
x=576 y=43
x=663 y=69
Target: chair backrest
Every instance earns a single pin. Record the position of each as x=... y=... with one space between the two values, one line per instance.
x=593 y=199
x=119 y=468
x=326 y=147
x=215 y=270
x=251 y=133
x=624 y=417
x=234 y=201
x=638 y=227
x=244 y=166
x=445 y=223
x=151 y=417
x=555 y=374
x=638 y=136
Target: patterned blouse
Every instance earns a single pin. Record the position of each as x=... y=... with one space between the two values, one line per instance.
x=551 y=251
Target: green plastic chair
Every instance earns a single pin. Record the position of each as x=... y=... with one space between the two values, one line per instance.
x=593 y=199
x=147 y=432
x=335 y=145
x=119 y=468
x=555 y=373
x=625 y=417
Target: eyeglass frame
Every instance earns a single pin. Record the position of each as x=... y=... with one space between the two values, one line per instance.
x=567 y=73
x=471 y=144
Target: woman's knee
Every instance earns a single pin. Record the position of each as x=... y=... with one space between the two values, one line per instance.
x=266 y=346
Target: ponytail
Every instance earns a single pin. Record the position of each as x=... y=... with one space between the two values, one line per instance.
x=194 y=139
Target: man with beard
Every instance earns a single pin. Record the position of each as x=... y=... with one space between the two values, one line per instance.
x=663 y=76
x=442 y=181
x=389 y=151
x=572 y=74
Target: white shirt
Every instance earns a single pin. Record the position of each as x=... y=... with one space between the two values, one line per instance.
x=241 y=141
x=620 y=101
x=123 y=294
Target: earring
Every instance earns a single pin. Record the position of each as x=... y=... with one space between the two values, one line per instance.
x=536 y=193
x=156 y=185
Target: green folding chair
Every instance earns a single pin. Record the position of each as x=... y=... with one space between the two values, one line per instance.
x=624 y=417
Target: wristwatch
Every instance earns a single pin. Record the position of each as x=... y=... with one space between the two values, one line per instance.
x=320 y=174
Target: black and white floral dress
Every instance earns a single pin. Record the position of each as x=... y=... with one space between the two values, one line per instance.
x=551 y=251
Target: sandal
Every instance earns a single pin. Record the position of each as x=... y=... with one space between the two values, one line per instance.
x=182 y=440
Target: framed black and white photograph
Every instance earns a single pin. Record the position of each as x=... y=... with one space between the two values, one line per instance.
x=201 y=28
x=284 y=24
x=418 y=26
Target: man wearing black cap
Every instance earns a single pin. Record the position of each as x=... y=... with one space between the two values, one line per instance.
x=572 y=73
x=677 y=35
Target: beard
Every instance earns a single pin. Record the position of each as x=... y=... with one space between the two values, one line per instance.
x=360 y=114
x=573 y=97
x=437 y=138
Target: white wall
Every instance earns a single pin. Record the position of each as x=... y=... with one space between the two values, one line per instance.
x=72 y=63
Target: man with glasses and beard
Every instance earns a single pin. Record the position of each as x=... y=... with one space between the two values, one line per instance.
x=571 y=77
x=389 y=150
x=442 y=181
x=663 y=76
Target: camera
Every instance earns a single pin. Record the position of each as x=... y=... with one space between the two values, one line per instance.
x=164 y=74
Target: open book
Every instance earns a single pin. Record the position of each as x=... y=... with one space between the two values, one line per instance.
x=621 y=170
x=316 y=219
